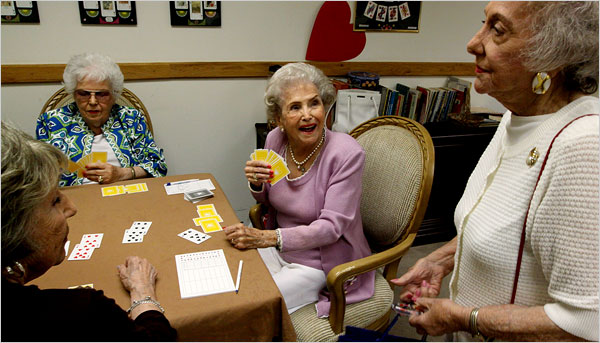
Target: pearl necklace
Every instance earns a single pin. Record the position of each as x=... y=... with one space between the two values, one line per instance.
x=300 y=165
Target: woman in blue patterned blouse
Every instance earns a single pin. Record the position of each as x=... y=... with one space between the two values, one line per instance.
x=95 y=123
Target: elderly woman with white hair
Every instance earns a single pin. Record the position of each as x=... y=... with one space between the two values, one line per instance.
x=34 y=232
x=95 y=123
x=316 y=209
x=524 y=263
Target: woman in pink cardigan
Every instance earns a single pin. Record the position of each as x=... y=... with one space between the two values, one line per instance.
x=317 y=206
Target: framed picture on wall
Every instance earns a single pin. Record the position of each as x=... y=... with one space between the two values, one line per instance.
x=107 y=12
x=387 y=16
x=195 y=13
x=20 y=12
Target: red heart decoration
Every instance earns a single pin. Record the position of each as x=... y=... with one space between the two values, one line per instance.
x=332 y=38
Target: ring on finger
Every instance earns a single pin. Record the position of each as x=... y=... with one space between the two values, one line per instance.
x=99 y=178
x=254 y=177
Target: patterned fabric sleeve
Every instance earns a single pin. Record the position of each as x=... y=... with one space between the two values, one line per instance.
x=146 y=153
x=43 y=132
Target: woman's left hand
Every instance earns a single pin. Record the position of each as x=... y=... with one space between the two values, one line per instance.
x=243 y=237
x=440 y=316
x=104 y=172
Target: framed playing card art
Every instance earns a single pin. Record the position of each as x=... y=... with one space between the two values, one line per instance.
x=20 y=12
x=195 y=13
x=107 y=12
x=387 y=16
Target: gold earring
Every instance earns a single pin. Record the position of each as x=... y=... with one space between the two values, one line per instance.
x=541 y=83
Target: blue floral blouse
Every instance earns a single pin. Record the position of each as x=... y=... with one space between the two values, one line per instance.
x=125 y=130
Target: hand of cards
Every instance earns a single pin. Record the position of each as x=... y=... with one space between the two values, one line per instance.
x=406 y=309
x=79 y=166
x=278 y=165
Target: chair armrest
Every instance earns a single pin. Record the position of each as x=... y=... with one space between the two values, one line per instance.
x=255 y=214
x=339 y=274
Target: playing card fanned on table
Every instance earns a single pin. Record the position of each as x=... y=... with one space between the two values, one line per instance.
x=136 y=233
x=208 y=218
x=85 y=248
x=278 y=164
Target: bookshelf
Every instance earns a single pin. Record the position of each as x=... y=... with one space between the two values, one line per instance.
x=457 y=150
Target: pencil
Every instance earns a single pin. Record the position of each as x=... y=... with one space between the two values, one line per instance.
x=239 y=276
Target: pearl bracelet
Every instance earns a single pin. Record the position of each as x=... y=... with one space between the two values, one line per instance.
x=146 y=300
x=278 y=246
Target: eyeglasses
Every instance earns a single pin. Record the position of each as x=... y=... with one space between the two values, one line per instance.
x=99 y=95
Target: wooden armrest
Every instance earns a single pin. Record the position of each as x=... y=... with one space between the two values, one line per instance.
x=255 y=214
x=339 y=274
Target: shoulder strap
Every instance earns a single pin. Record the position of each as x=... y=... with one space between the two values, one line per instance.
x=522 y=243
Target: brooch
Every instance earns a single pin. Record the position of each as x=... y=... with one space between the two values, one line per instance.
x=534 y=155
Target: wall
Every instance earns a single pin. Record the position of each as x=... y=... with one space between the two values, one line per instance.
x=207 y=125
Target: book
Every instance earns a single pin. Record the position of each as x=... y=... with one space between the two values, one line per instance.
x=402 y=89
x=415 y=96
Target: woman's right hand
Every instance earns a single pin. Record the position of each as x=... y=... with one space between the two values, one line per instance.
x=258 y=172
x=138 y=275
x=424 y=279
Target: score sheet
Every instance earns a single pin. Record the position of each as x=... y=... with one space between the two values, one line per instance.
x=203 y=273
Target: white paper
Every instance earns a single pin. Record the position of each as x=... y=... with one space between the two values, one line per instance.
x=179 y=187
x=203 y=273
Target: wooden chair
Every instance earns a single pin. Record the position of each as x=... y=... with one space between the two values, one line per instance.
x=397 y=180
x=127 y=98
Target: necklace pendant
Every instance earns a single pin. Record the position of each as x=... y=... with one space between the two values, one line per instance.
x=301 y=168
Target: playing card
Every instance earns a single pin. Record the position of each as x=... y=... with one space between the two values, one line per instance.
x=81 y=253
x=136 y=188
x=92 y=239
x=112 y=191
x=261 y=154
x=210 y=225
x=98 y=156
x=197 y=195
x=280 y=170
x=194 y=236
x=198 y=220
x=140 y=227
x=273 y=157
x=208 y=210
x=132 y=237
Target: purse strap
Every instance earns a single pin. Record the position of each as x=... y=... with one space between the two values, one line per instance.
x=522 y=243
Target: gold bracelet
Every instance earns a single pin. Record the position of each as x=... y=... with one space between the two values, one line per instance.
x=473 y=326
x=132 y=173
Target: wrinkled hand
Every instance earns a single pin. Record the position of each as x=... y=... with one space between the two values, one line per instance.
x=258 y=172
x=440 y=316
x=243 y=237
x=108 y=172
x=137 y=274
x=424 y=279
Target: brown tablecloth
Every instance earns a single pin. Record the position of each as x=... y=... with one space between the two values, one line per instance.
x=256 y=313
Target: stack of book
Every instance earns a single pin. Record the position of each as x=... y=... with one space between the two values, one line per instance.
x=425 y=105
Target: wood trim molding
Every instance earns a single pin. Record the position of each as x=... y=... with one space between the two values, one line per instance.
x=44 y=73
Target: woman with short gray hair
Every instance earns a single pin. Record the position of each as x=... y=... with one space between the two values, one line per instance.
x=34 y=233
x=315 y=210
x=524 y=263
x=94 y=123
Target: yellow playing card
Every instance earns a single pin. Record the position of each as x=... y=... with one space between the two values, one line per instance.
x=84 y=160
x=280 y=170
x=73 y=167
x=198 y=220
x=210 y=225
x=261 y=154
x=113 y=190
x=136 y=188
x=98 y=157
x=207 y=212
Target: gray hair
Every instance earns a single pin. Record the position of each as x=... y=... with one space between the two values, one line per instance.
x=92 y=66
x=564 y=35
x=30 y=171
x=292 y=74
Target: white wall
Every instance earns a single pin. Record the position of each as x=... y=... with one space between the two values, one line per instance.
x=207 y=125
